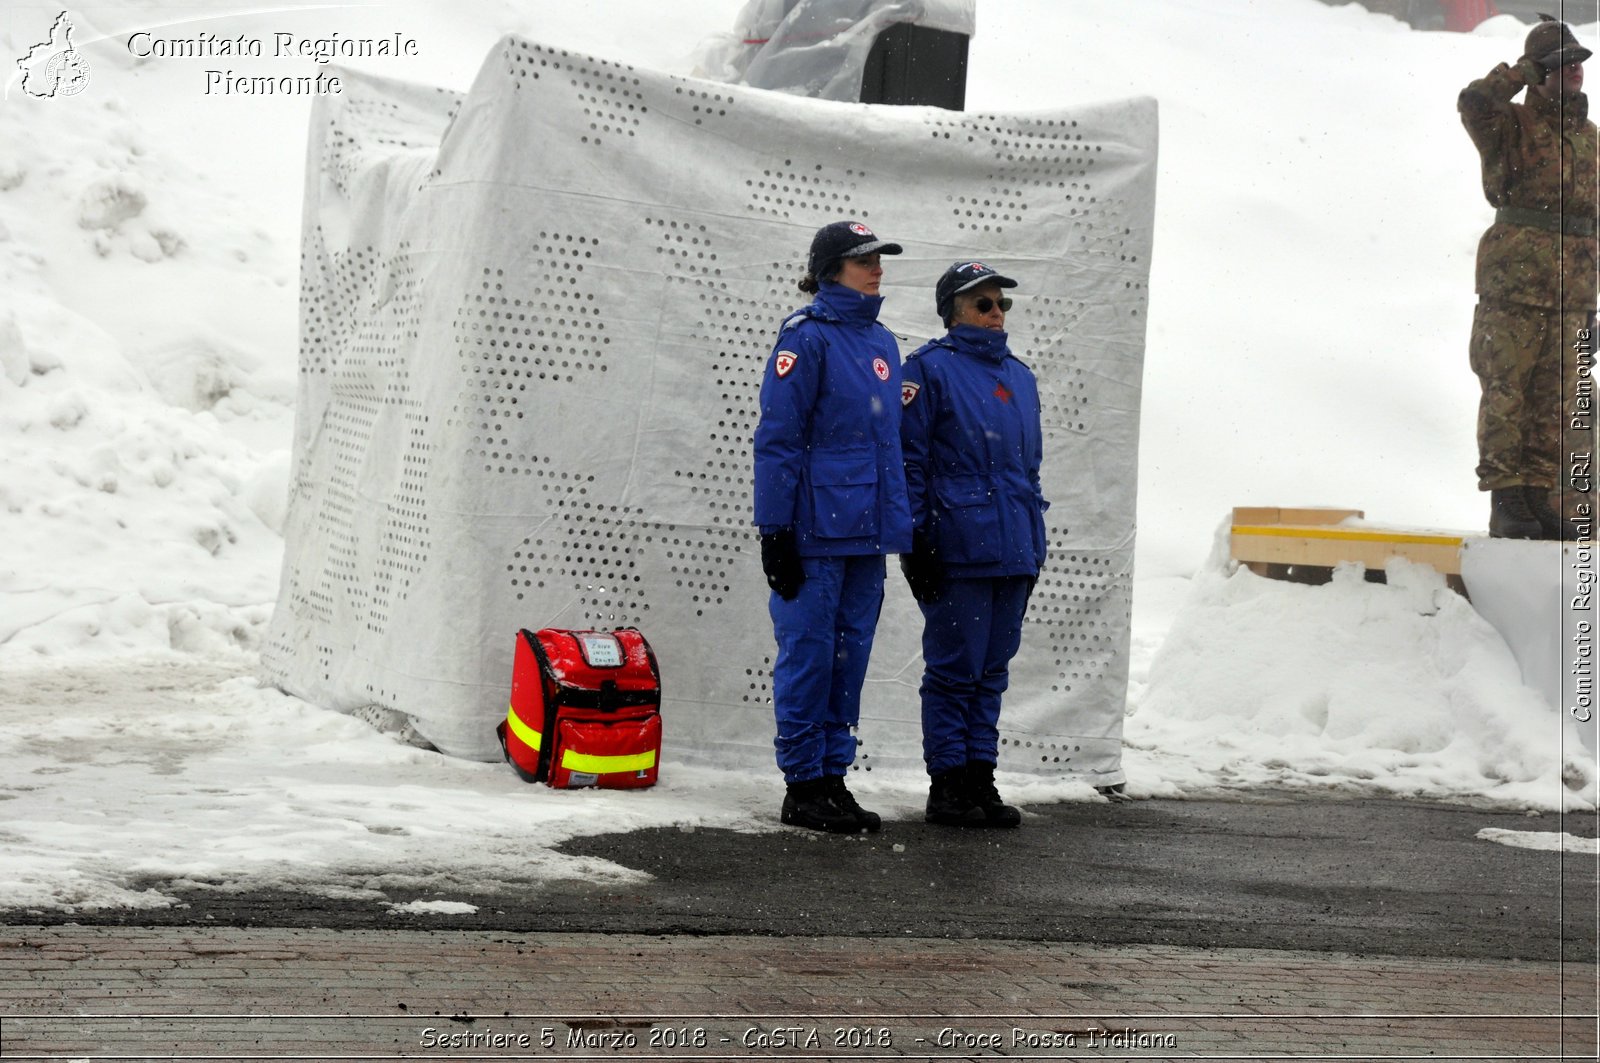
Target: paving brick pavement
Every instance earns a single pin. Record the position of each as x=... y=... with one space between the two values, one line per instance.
x=110 y=993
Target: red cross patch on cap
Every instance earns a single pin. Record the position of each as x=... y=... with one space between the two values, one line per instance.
x=859 y=229
x=783 y=362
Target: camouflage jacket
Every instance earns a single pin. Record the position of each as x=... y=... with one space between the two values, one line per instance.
x=1534 y=158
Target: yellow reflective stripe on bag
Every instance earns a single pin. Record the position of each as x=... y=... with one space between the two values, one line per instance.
x=591 y=764
x=528 y=735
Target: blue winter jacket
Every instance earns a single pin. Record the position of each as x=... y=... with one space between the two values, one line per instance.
x=972 y=442
x=827 y=447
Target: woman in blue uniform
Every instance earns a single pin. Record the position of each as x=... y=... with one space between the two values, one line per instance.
x=830 y=502
x=972 y=441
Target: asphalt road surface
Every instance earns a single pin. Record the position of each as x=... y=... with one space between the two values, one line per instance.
x=1361 y=876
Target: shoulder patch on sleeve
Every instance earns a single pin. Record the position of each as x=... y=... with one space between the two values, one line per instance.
x=782 y=362
x=908 y=391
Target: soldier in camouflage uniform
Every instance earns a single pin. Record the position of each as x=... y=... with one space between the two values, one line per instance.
x=1536 y=282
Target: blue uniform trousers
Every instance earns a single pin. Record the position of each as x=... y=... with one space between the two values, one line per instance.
x=968 y=639
x=824 y=639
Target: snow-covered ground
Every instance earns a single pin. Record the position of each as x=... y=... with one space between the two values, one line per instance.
x=1311 y=293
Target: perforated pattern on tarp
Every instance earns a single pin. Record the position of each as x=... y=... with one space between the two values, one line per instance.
x=534 y=324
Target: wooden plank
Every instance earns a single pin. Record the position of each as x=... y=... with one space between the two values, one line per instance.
x=1256 y=515
x=1312 y=546
x=1357 y=535
x=1317 y=516
x=1282 y=515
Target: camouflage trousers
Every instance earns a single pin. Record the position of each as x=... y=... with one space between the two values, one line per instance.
x=1535 y=421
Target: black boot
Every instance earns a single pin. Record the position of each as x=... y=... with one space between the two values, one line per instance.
x=980 y=788
x=846 y=802
x=808 y=804
x=1538 y=499
x=1510 y=517
x=949 y=803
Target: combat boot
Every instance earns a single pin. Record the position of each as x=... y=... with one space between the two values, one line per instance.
x=949 y=802
x=1543 y=511
x=980 y=788
x=1510 y=517
x=846 y=802
x=808 y=804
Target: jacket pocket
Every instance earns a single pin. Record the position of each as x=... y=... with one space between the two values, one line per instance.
x=968 y=522
x=844 y=493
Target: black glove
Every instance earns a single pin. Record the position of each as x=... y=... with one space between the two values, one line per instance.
x=923 y=568
x=780 y=560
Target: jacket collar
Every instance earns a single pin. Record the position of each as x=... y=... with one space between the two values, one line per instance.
x=982 y=343
x=1572 y=112
x=838 y=303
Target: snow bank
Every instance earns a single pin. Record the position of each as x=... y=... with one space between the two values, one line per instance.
x=1543 y=840
x=134 y=374
x=1397 y=688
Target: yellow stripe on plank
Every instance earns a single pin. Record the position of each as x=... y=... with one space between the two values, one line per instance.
x=1301 y=531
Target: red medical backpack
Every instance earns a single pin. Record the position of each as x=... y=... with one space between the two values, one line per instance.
x=585 y=709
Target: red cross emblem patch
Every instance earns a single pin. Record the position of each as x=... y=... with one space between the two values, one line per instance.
x=908 y=391
x=783 y=362
x=880 y=367
x=1001 y=393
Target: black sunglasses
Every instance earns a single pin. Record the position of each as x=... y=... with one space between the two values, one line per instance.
x=983 y=304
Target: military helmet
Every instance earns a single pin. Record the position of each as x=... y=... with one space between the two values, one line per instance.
x=1551 y=44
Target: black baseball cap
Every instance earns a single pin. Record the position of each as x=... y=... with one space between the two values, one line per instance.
x=962 y=276
x=844 y=239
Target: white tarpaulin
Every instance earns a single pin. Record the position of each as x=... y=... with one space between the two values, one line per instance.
x=534 y=324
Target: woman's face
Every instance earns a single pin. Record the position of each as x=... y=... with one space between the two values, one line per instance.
x=863 y=274
x=966 y=310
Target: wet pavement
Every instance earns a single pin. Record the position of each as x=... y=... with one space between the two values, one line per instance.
x=1266 y=927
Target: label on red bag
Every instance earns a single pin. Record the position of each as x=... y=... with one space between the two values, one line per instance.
x=601 y=651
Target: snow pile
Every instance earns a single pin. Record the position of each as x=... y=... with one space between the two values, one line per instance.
x=1550 y=841
x=434 y=908
x=134 y=383
x=1398 y=688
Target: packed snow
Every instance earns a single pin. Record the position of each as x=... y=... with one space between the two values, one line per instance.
x=1545 y=840
x=1311 y=294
